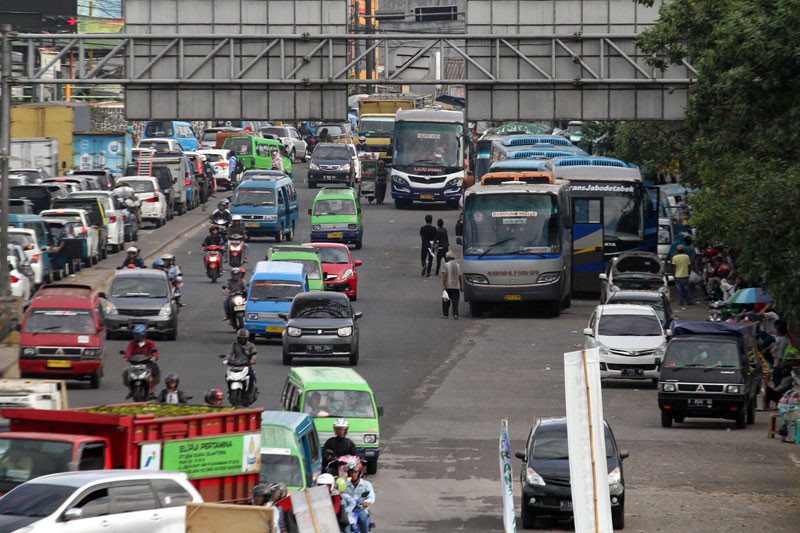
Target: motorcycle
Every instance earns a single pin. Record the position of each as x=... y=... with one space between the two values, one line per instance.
x=238 y=307
x=222 y=226
x=235 y=250
x=213 y=262
x=358 y=509
x=140 y=374
x=238 y=376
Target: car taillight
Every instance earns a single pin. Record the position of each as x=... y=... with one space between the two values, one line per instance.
x=36 y=257
x=188 y=182
x=154 y=199
x=14 y=279
x=83 y=230
x=112 y=218
x=223 y=165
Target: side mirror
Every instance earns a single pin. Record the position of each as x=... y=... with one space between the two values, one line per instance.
x=624 y=454
x=670 y=279
x=358 y=262
x=101 y=327
x=72 y=466
x=72 y=514
x=283 y=315
x=603 y=277
x=101 y=294
x=380 y=411
x=588 y=332
x=668 y=332
x=358 y=314
x=309 y=211
x=521 y=455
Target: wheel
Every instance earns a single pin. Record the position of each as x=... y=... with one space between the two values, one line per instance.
x=354 y=297
x=618 y=516
x=567 y=302
x=666 y=419
x=93 y=260
x=287 y=359
x=452 y=204
x=140 y=393
x=476 y=309
x=79 y=265
x=311 y=184
x=238 y=321
x=741 y=418
x=528 y=518
x=751 y=411
x=173 y=334
x=399 y=203
x=293 y=156
x=358 y=244
x=555 y=308
x=182 y=209
x=290 y=235
x=170 y=211
x=679 y=418
x=279 y=235
x=94 y=381
x=354 y=358
x=115 y=248
x=104 y=252
x=56 y=275
x=236 y=397
x=372 y=467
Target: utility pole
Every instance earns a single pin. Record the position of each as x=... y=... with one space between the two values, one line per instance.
x=357 y=29
x=5 y=156
x=371 y=56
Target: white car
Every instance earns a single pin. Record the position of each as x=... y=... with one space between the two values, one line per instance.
x=116 y=220
x=79 y=216
x=291 y=139
x=93 y=501
x=20 y=283
x=152 y=200
x=26 y=238
x=630 y=339
x=218 y=159
x=161 y=145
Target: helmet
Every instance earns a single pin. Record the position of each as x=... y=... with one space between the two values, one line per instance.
x=242 y=334
x=225 y=202
x=212 y=395
x=172 y=377
x=234 y=218
x=355 y=464
x=724 y=270
x=158 y=263
x=325 y=479
x=260 y=494
x=341 y=484
x=132 y=250
x=341 y=423
x=221 y=204
x=237 y=270
x=362 y=139
x=168 y=257
x=277 y=491
x=139 y=331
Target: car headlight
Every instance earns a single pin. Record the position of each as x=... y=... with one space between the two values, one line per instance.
x=345 y=331
x=313 y=166
x=345 y=167
x=476 y=278
x=615 y=476
x=29 y=351
x=316 y=227
x=661 y=350
x=669 y=387
x=533 y=478
x=370 y=438
x=347 y=274
x=271 y=218
x=166 y=310
x=548 y=277
x=293 y=331
x=602 y=348
x=352 y=226
x=111 y=309
x=733 y=389
x=400 y=180
x=613 y=288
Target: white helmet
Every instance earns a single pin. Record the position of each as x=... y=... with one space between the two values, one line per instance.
x=341 y=423
x=132 y=250
x=234 y=218
x=325 y=479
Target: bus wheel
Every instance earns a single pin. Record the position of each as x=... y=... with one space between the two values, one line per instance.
x=567 y=303
x=555 y=308
x=476 y=309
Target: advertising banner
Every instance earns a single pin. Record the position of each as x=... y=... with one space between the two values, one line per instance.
x=507 y=479
x=213 y=456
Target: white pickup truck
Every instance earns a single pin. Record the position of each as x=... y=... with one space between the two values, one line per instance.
x=32 y=394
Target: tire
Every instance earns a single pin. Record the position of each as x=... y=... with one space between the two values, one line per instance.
x=354 y=297
x=452 y=204
x=399 y=203
x=741 y=419
x=94 y=381
x=287 y=359
x=115 y=248
x=173 y=334
x=476 y=309
x=358 y=244
x=555 y=309
x=666 y=419
x=94 y=259
x=354 y=359
x=567 y=302
x=104 y=252
x=236 y=261
x=279 y=235
x=236 y=397
x=372 y=467
x=290 y=235
x=312 y=185
x=528 y=518
x=170 y=211
x=618 y=516
x=751 y=411
x=140 y=394
x=238 y=321
x=293 y=156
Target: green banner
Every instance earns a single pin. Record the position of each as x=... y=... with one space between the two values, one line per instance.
x=213 y=456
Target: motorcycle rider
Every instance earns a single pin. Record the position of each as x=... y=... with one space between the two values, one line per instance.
x=213 y=397
x=175 y=275
x=158 y=264
x=268 y=496
x=356 y=486
x=172 y=394
x=234 y=285
x=340 y=501
x=141 y=345
x=221 y=212
x=243 y=353
x=132 y=259
x=236 y=231
x=213 y=238
x=338 y=445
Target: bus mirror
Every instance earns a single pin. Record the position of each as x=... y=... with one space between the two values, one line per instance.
x=602 y=277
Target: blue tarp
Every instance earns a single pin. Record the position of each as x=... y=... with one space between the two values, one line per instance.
x=684 y=328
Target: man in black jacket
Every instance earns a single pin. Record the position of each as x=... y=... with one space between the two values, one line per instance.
x=171 y=394
x=338 y=445
x=428 y=234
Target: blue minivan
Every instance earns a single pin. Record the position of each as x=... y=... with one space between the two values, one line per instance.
x=268 y=206
x=43 y=237
x=272 y=288
x=171 y=129
x=290 y=449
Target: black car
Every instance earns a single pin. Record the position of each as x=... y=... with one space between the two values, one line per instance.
x=105 y=179
x=331 y=163
x=141 y=296
x=545 y=477
x=710 y=370
x=320 y=324
x=657 y=300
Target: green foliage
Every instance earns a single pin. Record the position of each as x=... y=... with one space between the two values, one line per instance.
x=743 y=115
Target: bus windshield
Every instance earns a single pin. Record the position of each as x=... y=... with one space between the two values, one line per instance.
x=622 y=217
x=500 y=224
x=427 y=143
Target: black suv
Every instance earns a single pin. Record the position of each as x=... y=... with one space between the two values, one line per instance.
x=331 y=163
x=320 y=324
x=710 y=370
x=545 y=477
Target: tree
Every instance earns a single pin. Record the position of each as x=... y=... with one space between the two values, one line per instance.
x=743 y=114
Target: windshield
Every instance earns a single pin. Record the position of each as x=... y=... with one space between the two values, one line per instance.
x=278 y=290
x=575 y=129
x=282 y=469
x=23 y=239
x=312 y=265
x=622 y=217
x=158 y=146
x=135 y=287
x=331 y=255
x=499 y=224
x=664 y=235
x=25 y=459
x=335 y=207
x=427 y=143
x=78 y=321
x=139 y=185
x=19 y=209
x=239 y=146
x=254 y=197
x=320 y=308
x=340 y=153
x=375 y=126
x=333 y=130
x=278 y=132
x=35 y=499
x=629 y=326
x=339 y=403
x=209 y=136
x=702 y=354
x=213 y=158
x=655 y=305
x=158 y=128
x=551 y=443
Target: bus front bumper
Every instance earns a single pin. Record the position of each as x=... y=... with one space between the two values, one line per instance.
x=482 y=292
x=425 y=194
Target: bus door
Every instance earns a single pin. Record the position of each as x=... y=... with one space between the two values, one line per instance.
x=587 y=244
x=651 y=201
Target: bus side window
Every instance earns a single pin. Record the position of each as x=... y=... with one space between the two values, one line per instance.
x=587 y=211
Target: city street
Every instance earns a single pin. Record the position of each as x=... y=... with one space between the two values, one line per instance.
x=445 y=385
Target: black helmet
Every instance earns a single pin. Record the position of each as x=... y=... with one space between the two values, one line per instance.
x=277 y=491
x=172 y=377
x=242 y=336
x=221 y=204
x=260 y=494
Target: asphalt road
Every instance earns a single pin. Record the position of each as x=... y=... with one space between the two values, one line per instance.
x=445 y=385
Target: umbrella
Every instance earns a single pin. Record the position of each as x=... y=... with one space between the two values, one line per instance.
x=750 y=296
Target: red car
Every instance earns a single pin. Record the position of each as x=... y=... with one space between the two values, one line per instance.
x=338 y=267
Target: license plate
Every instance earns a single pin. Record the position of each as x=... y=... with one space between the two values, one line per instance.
x=54 y=363
x=251 y=224
x=319 y=348
x=335 y=235
x=513 y=297
x=239 y=307
x=632 y=371
x=274 y=329
x=701 y=402
x=426 y=197
x=329 y=177
x=566 y=506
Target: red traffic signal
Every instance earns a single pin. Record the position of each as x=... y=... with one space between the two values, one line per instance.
x=72 y=21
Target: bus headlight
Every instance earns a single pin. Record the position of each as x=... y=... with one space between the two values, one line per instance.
x=548 y=277
x=476 y=278
x=400 y=181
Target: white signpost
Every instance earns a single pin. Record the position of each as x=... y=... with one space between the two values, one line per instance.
x=507 y=479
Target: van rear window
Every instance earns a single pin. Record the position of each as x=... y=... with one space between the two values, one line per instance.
x=277 y=290
x=159 y=128
x=60 y=321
